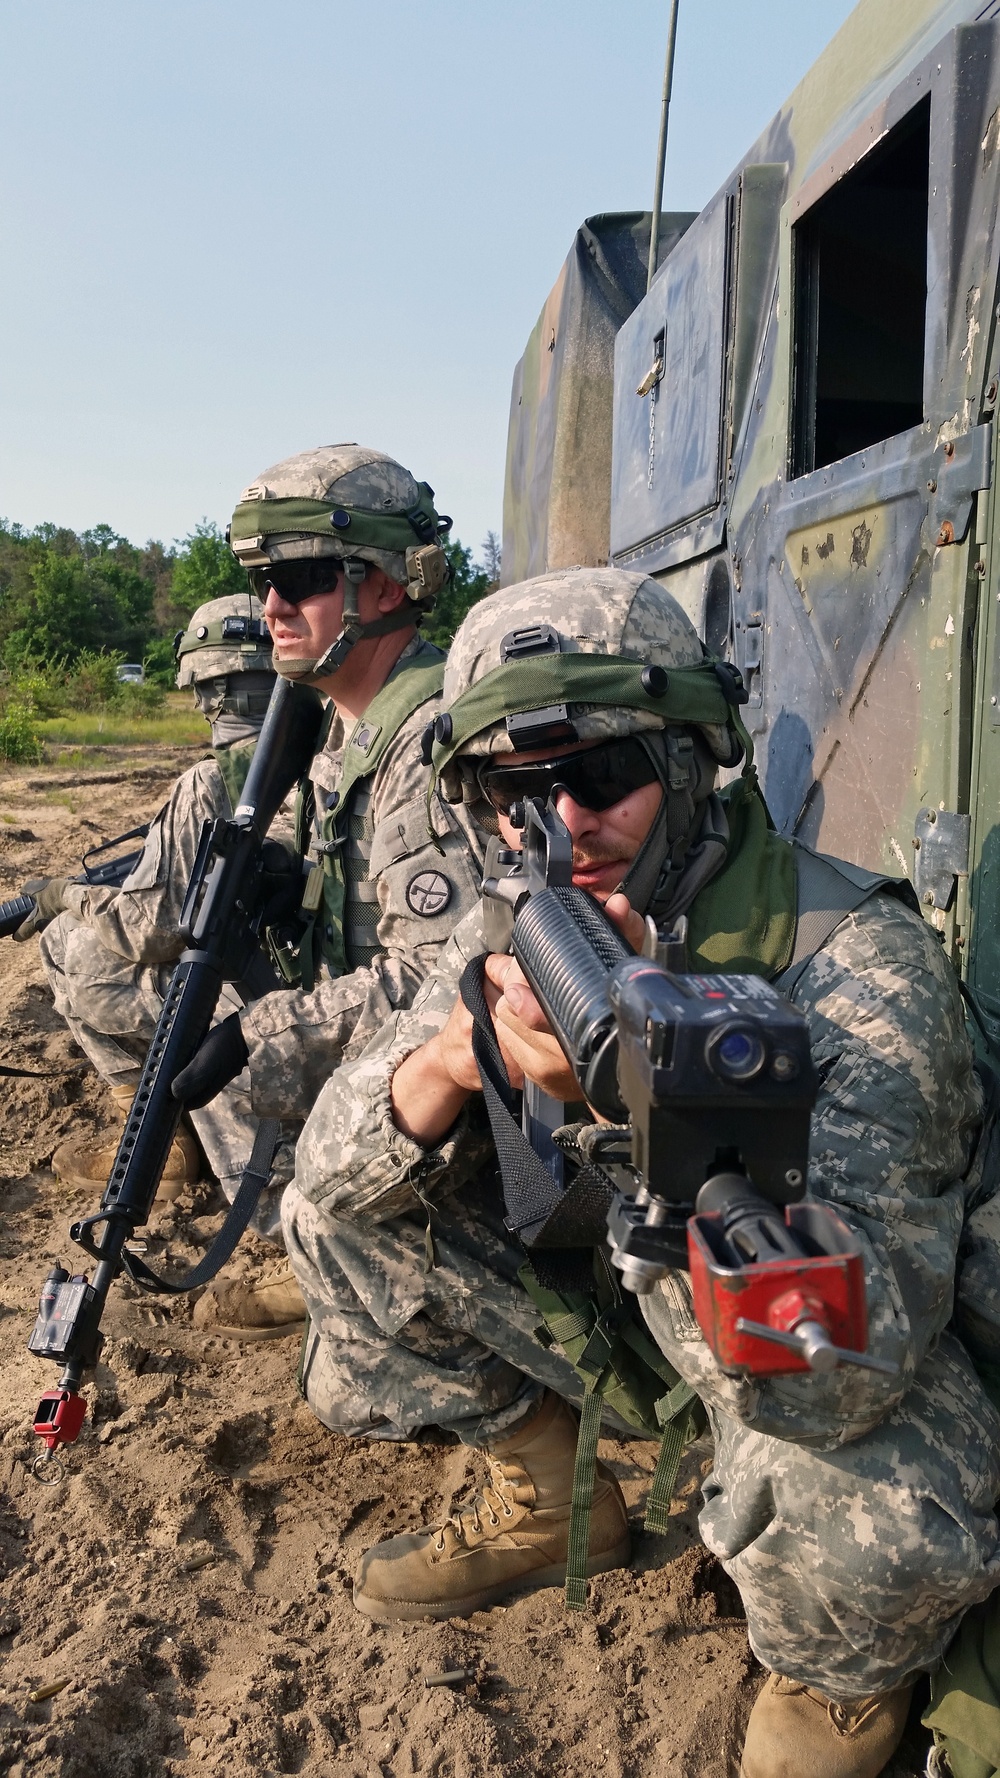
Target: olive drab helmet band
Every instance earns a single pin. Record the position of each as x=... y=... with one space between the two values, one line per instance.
x=357 y=506
x=223 y=636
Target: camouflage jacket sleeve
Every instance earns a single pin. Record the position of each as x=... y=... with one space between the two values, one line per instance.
x=892 y=1135
x=140 y=920
x=296 y=1039
x=351 y=1155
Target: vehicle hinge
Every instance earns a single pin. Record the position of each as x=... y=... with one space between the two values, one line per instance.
x=941 y=855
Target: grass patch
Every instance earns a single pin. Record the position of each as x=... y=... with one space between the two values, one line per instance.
x=107 y=728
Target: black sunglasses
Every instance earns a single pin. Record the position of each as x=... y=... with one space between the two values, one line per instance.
x=295 y=581
x=596 y=779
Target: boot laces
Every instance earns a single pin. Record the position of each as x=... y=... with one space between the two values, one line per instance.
x=497 y=1493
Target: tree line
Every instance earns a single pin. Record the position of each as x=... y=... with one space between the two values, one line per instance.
x=66 y=594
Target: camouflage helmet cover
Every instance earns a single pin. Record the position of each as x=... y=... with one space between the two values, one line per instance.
x=203 y=652
x=351 y=480
x=595 y=611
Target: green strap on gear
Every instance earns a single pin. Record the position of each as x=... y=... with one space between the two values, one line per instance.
x=582 y=1499
x=690 y=694
x=415 y=680
x=234 y=763
x=214 y=636
x=621 y=1368
x=350 y=527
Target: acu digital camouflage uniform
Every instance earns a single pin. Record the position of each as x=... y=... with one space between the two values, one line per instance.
x=404 y=893
x=392 y=891
x=854 y=1512
x=109 y=957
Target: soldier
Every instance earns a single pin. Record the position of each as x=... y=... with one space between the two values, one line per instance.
x=854 y=1511
x=343 y=546
x=109 y=952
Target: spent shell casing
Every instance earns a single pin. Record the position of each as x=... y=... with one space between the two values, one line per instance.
x=197 y=1562
x=41 y=1692
x=451 y=1678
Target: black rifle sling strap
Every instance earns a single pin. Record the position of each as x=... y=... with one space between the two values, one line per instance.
x=253 y=1179
x=545 y=1218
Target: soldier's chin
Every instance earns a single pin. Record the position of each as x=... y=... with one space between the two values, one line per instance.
x=292 y=668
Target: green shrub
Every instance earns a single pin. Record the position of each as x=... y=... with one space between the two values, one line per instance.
x=19 y=739
x=159 y=664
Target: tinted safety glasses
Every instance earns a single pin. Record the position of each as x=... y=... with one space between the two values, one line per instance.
x=295 y=581
x=597 y=778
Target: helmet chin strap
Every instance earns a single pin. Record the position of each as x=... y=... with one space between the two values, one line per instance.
x=352 y=631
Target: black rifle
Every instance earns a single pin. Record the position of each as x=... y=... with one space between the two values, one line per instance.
x=109 y=875
x=708 y=1086
x=221 y=917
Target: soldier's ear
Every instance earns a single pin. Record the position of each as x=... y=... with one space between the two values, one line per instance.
x=390 y=594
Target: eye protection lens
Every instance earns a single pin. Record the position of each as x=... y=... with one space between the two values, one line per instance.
x=295 y=581
x=596 y=779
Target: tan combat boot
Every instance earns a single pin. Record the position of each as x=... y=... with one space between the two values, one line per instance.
x=88 y=1164
x=264 y=1310
x=511 y=1539
x=795 y=1732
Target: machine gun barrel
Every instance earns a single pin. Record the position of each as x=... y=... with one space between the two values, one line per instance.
x=223 y=912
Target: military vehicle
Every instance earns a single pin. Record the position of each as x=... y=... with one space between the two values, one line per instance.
x=794 y=430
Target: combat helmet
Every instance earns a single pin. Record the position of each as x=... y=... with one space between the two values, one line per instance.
x=585 y=654
x=227 y=637
x=353 y=506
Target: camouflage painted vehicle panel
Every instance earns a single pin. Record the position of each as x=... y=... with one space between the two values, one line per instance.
x=803 y=449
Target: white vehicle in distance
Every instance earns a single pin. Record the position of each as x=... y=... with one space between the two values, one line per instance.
x=130 y=673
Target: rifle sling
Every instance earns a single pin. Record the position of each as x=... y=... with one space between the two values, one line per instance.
x=254 y=1177
x=539 y=1213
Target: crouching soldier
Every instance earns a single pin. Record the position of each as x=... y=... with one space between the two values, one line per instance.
x=109 y=952
x=854 y=1510
x=343 y=546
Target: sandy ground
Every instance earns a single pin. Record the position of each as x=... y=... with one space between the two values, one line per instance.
x=188 y=1581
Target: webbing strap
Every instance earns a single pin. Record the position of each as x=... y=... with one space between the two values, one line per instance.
x=582 y=1500
x=254 y=1177
x=661 y=1488
x=538 y=1211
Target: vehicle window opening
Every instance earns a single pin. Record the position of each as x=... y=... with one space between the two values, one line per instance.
x=860 y=270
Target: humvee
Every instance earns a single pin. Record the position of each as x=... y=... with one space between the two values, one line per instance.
x=794 y=430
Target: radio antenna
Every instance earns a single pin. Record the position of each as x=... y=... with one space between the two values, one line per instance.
x=661 y=147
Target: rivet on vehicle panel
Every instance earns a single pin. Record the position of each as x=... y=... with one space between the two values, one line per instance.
x=946 y=534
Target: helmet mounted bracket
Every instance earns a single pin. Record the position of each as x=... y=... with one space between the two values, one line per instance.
x=551 y=725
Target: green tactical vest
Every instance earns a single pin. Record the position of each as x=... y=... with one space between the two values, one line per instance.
x=340 y=899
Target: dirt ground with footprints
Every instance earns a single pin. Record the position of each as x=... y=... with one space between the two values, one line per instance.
x=187 y=1583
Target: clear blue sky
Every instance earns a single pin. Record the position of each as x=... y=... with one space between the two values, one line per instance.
x=233 y=230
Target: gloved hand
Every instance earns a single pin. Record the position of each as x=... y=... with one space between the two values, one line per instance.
x=281 y=883
x=50 y=900
x=222 y=1056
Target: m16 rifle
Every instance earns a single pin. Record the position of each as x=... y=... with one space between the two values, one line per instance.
x=222 y=916
x=707 y=1085
x=108 y=873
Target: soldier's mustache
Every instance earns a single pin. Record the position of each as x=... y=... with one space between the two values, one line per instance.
x=594 y=855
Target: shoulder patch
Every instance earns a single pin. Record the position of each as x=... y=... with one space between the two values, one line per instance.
x=429 y=892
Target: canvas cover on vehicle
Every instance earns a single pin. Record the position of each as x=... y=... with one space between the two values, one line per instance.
x=557 y=490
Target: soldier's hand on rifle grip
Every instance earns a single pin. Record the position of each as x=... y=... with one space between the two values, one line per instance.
x=526 y=1041
x=50 y=899
x=222 y=1056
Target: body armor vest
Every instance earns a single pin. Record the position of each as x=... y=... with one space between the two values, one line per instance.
x=340 y=898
